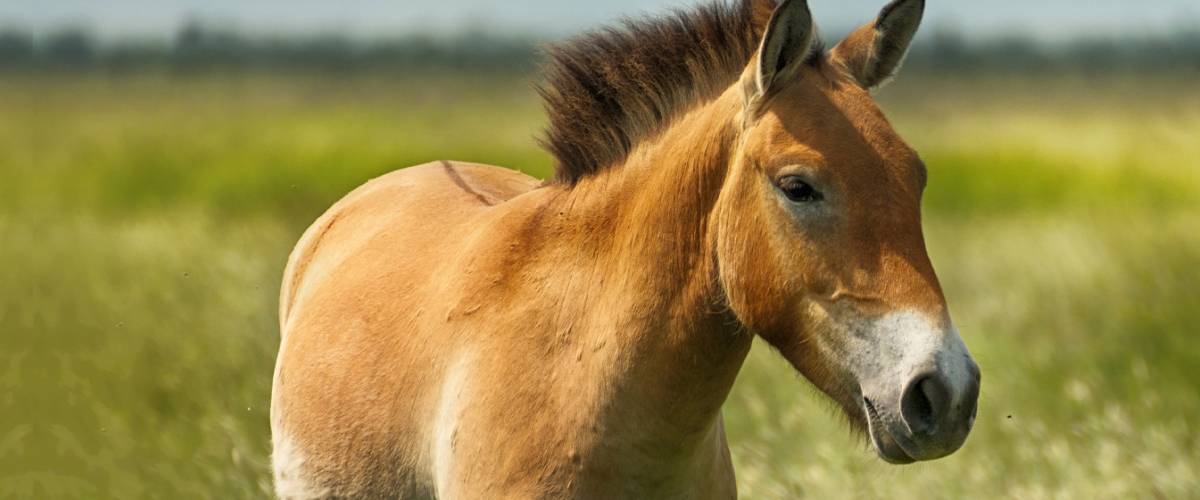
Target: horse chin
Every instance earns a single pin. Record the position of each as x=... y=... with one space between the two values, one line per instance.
x=886 y=446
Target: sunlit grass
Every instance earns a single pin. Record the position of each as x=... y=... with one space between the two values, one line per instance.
x=284 y=144
x=133 y=354
x=145 y=222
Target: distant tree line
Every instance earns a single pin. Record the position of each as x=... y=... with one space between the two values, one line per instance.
x=197 y=46
x=946 y=49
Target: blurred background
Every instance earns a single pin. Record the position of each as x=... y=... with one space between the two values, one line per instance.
x=159 y=159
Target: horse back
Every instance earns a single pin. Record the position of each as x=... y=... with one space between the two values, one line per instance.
x=421 y=204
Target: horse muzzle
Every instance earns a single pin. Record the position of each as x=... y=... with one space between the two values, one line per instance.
x=919 y=388
x=928 y=417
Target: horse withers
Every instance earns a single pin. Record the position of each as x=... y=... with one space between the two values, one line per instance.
x=455 y=330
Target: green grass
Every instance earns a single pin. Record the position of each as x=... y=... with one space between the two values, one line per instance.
x=145 y=223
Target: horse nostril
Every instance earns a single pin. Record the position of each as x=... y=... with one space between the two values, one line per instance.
x=924 y=402
x=972 y=398
x=974 y=370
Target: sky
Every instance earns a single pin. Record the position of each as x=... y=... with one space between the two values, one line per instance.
x=1047 y=19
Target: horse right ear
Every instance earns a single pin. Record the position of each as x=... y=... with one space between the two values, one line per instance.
x=873 y=53
x=785 y=45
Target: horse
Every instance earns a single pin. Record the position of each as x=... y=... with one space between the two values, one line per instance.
x=457 y=330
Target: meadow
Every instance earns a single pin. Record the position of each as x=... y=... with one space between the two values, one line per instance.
x=145 y=220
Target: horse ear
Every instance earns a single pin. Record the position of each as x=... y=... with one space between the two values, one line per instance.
x=784 y=46
x=873 y=53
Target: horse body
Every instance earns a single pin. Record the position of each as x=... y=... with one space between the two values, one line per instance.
x=493 y=350
x=368 y=253
x=455 y=330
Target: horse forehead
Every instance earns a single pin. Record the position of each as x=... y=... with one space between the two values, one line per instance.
x=824 y=113
x=844 y=126
x=862 y=117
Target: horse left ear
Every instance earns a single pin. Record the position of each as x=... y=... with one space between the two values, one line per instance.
x=784 y=46
x=873 y=53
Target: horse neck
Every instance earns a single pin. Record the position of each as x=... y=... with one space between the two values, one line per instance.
x=658 y=258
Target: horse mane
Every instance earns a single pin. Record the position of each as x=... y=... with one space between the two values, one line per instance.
x=607 y=90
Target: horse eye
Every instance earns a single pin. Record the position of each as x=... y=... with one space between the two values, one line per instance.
x=799 y=191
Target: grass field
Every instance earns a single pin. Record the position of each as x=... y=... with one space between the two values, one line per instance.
x=145 y=221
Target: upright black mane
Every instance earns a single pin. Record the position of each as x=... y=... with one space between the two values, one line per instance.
x=609 y=89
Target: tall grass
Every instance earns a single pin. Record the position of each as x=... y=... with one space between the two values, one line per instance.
x=145 y=222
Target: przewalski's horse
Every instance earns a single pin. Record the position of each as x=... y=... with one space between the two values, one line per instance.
x=461 y=331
